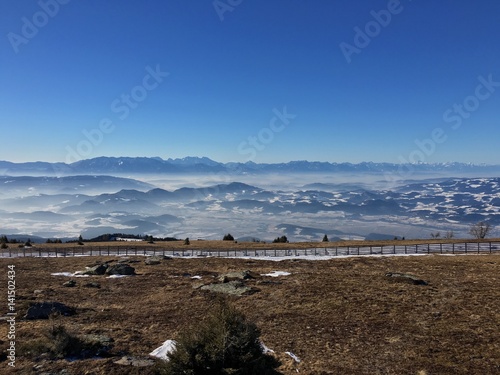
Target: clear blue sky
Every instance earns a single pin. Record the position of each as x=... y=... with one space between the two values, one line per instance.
x=68 y=69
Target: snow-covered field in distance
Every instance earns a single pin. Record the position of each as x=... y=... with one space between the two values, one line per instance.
x=303 y=207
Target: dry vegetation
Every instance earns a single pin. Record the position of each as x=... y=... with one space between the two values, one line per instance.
x=341 y=316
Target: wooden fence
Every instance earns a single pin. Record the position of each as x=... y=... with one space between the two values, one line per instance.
x=423 y=248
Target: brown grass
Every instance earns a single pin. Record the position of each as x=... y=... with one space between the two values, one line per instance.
x=341 y=316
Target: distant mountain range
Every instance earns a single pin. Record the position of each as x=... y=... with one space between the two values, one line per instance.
x=200 y=165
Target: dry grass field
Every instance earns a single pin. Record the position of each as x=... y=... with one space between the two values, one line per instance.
x=339 y=316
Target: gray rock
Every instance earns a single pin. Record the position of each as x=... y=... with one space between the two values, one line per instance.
x=126 y=260
x=150 y=261
x=43 y=310
x=135 y=361
x=99 y=269
x=120 y=269
x=236 y=288
x=407 y=278
x=70 y=284
x=238 y=275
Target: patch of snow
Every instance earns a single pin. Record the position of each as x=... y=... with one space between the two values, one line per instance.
x=163 y=350
x=293 y=356
x=277 y=274
x=62 y=274
x=69 y=274
x=117 y=276
x=265 y=349
x=196 y=277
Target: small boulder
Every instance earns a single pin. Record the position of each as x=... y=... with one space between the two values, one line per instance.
x=406 y=278
x=135 y=361
x=99 y=269
x=70 y=284
x=150 y=261
x=231 y=287
x=43 y=310
x=238 y=275
x=120 y=269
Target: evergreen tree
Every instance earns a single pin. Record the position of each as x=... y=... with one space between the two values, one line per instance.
x=224 y=342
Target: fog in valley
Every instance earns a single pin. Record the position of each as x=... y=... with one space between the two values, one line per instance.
x=258 y=206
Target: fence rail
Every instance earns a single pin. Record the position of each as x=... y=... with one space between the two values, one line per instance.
x=423 y=248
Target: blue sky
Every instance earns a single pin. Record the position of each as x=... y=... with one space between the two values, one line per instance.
x=260 y=80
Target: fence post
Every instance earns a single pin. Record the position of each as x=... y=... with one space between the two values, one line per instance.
x=466 y=248
x=490 y=247
x=453 y=248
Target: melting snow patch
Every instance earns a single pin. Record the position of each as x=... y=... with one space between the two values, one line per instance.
x=277 y=274
x=117 y=276
x=293 y=356
x=265 y=349
x=163 y=351
x=69 y=274
x=196 y=277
